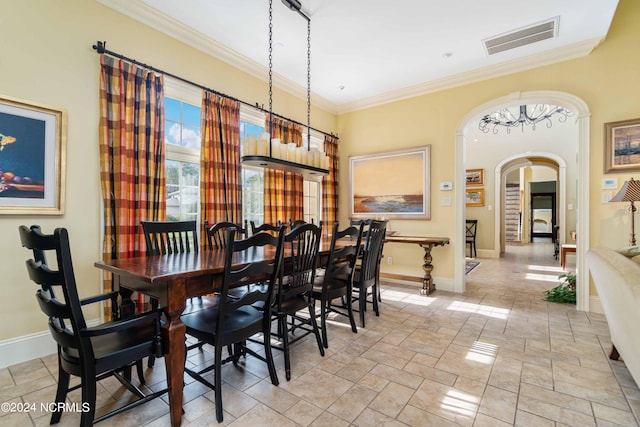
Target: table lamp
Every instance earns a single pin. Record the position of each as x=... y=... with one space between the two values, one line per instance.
x=630 y=192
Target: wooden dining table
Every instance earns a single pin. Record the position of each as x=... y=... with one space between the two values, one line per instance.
x=172 y=279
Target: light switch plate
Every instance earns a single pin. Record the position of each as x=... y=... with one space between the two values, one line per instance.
x=446 y=186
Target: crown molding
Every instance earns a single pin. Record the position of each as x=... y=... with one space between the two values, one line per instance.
x=565 y=53
x=150 y=17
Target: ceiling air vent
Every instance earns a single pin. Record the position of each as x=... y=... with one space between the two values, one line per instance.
x=522 y=37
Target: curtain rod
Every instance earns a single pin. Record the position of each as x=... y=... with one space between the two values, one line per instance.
x=100 y=47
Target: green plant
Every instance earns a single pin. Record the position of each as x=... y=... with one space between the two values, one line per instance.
x=565 y=291
x=569 y=279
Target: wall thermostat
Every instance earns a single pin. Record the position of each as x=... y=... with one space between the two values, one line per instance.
x=446 y=186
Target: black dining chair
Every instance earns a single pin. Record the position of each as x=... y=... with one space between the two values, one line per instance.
x=471 y=228
x=91 y=353
x=366 y=276
x=173 y=237
x=337 y=280
x=294 y=292
x=356 y=222
x=234 y=320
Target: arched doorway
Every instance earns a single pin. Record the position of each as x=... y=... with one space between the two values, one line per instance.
x=579 y=107
x=529 y=159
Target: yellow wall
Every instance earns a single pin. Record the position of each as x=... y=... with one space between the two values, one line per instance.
x=46 y=57
x=607 y=80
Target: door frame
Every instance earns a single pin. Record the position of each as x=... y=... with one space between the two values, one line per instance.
x=554 y=220
x=582 y=117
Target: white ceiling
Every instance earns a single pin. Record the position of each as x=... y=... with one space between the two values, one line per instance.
x=368 y=52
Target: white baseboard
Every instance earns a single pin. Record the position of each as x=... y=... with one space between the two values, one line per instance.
x=488 y=253
x=29 y=347
x=595 y=306
x=442 y=283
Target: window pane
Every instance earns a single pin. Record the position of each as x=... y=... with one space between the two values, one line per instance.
x=250 y=129
x=191 y=136
x=252 y=181
x=190 y=174
x=172 y=133
x=191 y=115
x=172 y=172
x=182 y=190
x=172 y=109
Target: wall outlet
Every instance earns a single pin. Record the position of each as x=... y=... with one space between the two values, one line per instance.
x=389 y=260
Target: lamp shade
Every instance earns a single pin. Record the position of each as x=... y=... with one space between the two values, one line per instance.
x=630 y=192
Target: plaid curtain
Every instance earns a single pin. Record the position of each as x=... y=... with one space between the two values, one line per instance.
x=131 y=154
x=220 y=183
x=330 y=183
x=283 y=191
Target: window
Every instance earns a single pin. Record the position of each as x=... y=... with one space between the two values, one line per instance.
x=252 y=123
x=182 y=145
x=312 y=201
x=312 y=189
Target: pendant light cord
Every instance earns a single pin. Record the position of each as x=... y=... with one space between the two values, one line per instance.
x=270 y=73
x=308 y=84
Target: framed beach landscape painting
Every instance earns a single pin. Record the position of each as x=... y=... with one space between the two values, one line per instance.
x=391 y=185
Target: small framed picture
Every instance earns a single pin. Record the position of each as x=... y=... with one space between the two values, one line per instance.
x=475 y=197
x=622 y=146
x=609 y=183
x=475 y=176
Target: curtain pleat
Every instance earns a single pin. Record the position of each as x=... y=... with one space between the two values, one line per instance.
x=220 y=179
x=283 y=191
x=330 y=183
x=131 y=154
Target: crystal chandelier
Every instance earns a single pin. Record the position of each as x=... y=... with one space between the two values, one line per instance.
x=530 y=115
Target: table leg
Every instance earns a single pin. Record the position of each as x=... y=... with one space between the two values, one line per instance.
x=174 y=333
x=427 y=282
x=174 y=336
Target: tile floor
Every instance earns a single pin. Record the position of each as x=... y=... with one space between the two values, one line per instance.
x=496 y=355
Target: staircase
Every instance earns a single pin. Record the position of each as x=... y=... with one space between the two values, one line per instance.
x=512 y=213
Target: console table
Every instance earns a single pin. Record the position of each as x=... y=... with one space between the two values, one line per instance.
x=427 y=243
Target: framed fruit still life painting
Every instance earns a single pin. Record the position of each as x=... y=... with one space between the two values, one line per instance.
x=32 y=156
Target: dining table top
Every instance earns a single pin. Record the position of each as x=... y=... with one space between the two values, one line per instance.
x=164 y=268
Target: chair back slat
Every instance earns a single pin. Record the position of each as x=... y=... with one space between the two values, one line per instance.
x=271 y=229
x=42 y=275
x=169 y=237
x=64 y=337
x=52 y=306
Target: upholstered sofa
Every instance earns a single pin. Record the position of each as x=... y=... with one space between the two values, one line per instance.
x=617 y=279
